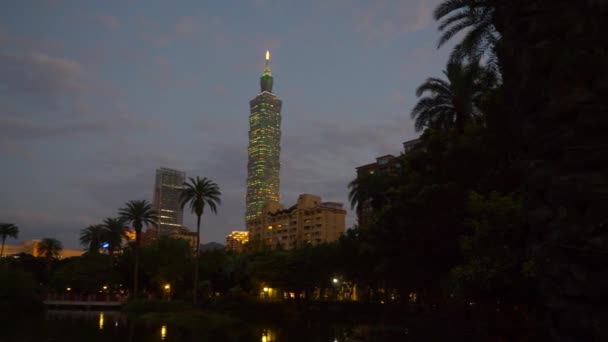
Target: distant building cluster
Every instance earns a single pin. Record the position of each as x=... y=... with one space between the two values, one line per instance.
x=309 y=222
x=30 y=247
x=236 y=241
x=269 y=224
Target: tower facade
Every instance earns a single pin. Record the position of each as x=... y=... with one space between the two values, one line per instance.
x=264 y=151
x=167 y=191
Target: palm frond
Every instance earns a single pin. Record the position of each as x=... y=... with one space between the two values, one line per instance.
x=435 y=86
x=451 y=20
x=452 y=31
x=448 y=7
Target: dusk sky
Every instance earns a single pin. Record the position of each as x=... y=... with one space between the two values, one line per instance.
x=96 y=95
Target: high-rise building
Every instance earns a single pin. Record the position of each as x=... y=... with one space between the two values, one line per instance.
x=309 y=222
x=167 y=191
x=264 y=151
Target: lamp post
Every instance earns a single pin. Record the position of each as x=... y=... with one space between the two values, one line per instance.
x=167 y=290
x=335 y=281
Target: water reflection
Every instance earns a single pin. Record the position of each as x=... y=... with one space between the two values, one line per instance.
x=269 y=335
x=101 y=320
x=163 y=332
x=114 y=326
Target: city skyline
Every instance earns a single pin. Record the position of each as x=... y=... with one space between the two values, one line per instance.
x=90 y=88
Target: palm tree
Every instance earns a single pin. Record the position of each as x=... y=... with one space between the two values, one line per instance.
x=475 y=15
x=92 y=237
x=369 y=191
x=7 y=230
x=138 y=214
x=49 y=248
x=453 y=102
x=114 y=233
x=199 y=192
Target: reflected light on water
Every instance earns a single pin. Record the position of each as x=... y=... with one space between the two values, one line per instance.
x=101 y=321
x=268 y=336
x=163 y=332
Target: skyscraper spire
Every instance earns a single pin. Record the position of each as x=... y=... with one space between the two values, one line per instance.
x=266 y=79
x=267 y=70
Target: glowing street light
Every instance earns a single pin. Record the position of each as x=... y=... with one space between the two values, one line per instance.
x=265 y=289
x=167 y=287
x=335 y=280
x=68 y=289
x=105 y=287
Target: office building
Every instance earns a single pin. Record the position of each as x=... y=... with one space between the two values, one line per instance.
x=167 y=191
x=264 y=150
x=308 y=222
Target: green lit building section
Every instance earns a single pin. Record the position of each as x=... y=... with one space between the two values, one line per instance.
x=264 y=151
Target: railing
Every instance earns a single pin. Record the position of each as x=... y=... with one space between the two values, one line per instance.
x=73 y=299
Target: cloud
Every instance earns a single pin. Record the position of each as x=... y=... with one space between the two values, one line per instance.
x=39 y=73
x=12 y=149
x=108 y=21
x=187 y=26
x=184 y=28
x=388 y=20
x=25 y=129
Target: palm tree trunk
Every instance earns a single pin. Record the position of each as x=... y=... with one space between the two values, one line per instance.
x=136 y=267
x=2 y=250
x=196 y=252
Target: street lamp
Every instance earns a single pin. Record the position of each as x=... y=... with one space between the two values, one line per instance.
x=335 y=280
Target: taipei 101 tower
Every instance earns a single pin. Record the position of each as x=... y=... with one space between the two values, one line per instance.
x=264 y=151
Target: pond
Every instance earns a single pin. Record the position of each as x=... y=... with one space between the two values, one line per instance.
x=114 y=326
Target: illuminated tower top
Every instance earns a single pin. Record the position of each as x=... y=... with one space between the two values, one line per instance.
x=266 y=79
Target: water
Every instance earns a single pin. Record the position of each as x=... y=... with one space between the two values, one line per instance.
x=113 y=326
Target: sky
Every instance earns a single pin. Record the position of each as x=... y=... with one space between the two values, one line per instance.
x=96 y=95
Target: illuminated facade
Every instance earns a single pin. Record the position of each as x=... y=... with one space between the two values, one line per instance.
x=309 y=222
x=236 y=241
x=167 y=191
x=264 y=151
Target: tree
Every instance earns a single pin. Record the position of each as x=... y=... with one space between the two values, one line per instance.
x=369 y=191
x=198 y=193
x=7 y=230
x=92 y=237
x=86 y=273
x=553 y=57
x=495 y=261
x=451 y=103
x=474 y=15
x=114 y=233
x=49 y=248
x=167 y=260
x=138 y=213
